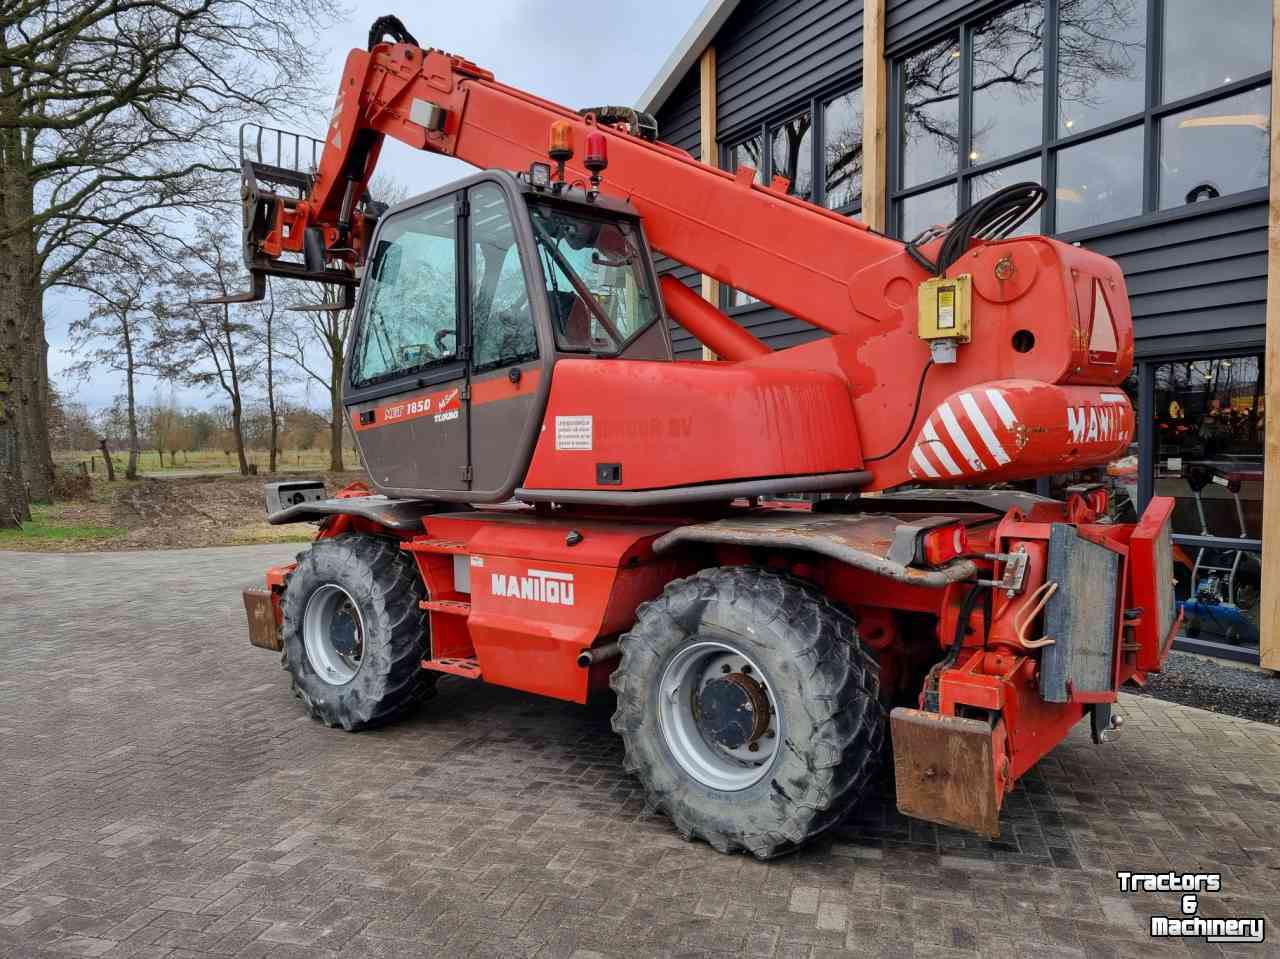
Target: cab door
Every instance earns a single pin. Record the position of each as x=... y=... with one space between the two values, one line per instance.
x=508 y=383
x=406 y=379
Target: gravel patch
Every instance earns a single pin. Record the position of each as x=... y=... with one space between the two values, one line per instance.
x=1229 y=688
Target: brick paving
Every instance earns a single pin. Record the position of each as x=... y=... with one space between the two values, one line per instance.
x=162 y=795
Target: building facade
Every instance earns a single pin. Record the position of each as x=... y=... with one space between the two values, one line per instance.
x=1148 y=123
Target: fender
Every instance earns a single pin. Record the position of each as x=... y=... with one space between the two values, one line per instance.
x=396 y=515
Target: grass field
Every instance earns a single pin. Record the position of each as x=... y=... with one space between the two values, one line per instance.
x=50 y=524
x=202 y=501
x=207 y=462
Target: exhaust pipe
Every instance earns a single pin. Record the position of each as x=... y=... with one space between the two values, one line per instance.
x=599 y=654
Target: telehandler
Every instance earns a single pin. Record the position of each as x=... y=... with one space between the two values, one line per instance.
x=560 y=507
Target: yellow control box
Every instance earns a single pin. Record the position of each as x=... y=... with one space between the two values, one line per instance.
x=945 y=305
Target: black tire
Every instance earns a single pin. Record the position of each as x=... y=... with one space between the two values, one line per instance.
x=383 y=583
x=827 y=687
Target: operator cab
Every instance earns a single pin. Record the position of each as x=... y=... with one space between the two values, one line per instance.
x=471 y=295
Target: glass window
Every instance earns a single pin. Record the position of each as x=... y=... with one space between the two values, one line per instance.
x=792 y=148
x=1209 y=44
x=410 y=313
x=923 y=210
x=930 y=127
x=595 y=279
x=1209 y=421
x=502 y=330
x=1008 y=83
x=1100 y=180
x=748 y=153
x=984 y=184
x=1102 y=62
x=1219 y=148
x=842 y=149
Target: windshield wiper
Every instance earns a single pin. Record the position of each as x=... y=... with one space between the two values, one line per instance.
x=581 y=288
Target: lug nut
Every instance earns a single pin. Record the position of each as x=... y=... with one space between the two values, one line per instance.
x=753 y=747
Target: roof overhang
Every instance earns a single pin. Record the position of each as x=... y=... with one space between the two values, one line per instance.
x=686 y=53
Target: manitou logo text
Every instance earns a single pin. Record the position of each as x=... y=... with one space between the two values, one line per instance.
x=1094 y=424
x=540 y=586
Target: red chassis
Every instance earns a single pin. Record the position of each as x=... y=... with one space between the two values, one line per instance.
x=536 y=600
x=990 y=622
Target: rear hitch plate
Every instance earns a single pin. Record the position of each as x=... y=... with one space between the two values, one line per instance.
x=261 y=613
x=945 y=768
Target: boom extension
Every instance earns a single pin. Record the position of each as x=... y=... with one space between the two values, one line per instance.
x=1046 y=314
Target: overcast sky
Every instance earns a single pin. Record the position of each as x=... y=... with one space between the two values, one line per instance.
x=574 y=52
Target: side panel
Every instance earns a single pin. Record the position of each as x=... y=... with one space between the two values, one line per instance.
x=415 y=441
x=677 y=424
x=537 y=601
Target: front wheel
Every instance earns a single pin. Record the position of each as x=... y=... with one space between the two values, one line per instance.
x=748 y=709
x=354 y=633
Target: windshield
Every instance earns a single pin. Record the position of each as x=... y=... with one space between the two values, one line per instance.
x=597 y=284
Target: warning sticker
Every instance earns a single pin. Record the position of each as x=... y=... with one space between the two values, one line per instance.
x=573 y=432
x=947 y=309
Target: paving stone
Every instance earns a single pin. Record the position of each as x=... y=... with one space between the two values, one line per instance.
x=165 y=796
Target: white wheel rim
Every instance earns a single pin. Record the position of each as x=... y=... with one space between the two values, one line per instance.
x=333 y=635
x=707 y=761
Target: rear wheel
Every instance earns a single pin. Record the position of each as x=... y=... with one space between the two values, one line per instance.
x=748 y=709
x=354 y=634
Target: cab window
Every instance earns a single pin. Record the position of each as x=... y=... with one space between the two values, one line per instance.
x=411 y=299
x=502 y=330
x=596 y=282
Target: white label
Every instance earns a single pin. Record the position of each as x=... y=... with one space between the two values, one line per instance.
x=573 y=432
x=947 y=309
x=540 y=586
x=1175 y=462
x=477 y=561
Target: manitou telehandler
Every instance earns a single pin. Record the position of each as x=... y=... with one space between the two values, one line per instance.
x=560 y=507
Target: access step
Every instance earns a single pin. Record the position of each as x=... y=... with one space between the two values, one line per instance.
x=466 y=668
x=451 y=607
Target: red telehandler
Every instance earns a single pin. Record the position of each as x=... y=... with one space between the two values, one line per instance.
x=561 y=507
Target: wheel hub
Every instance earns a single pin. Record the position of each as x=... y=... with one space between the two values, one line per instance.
x=718 y=715
x=733 y=710
x=345 y=632
x=333 y=634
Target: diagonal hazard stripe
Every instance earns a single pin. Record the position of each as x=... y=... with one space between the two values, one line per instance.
x=985 y=432
x=939 y=449
x=958 y=436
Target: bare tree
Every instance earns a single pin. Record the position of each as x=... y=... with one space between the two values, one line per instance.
x=114 y=118
x=326 y=330
x=117 y=332
x=266 y=331
x=210 y=346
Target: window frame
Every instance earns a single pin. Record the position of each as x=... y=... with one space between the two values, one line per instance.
x=1051 y=143
x=429 y=374
x=815 y=105
x=652 y=288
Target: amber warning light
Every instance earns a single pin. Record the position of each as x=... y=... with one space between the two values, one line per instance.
x=560 y=147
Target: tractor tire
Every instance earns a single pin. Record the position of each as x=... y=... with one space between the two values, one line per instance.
x=696 y=671
x=354 y=634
